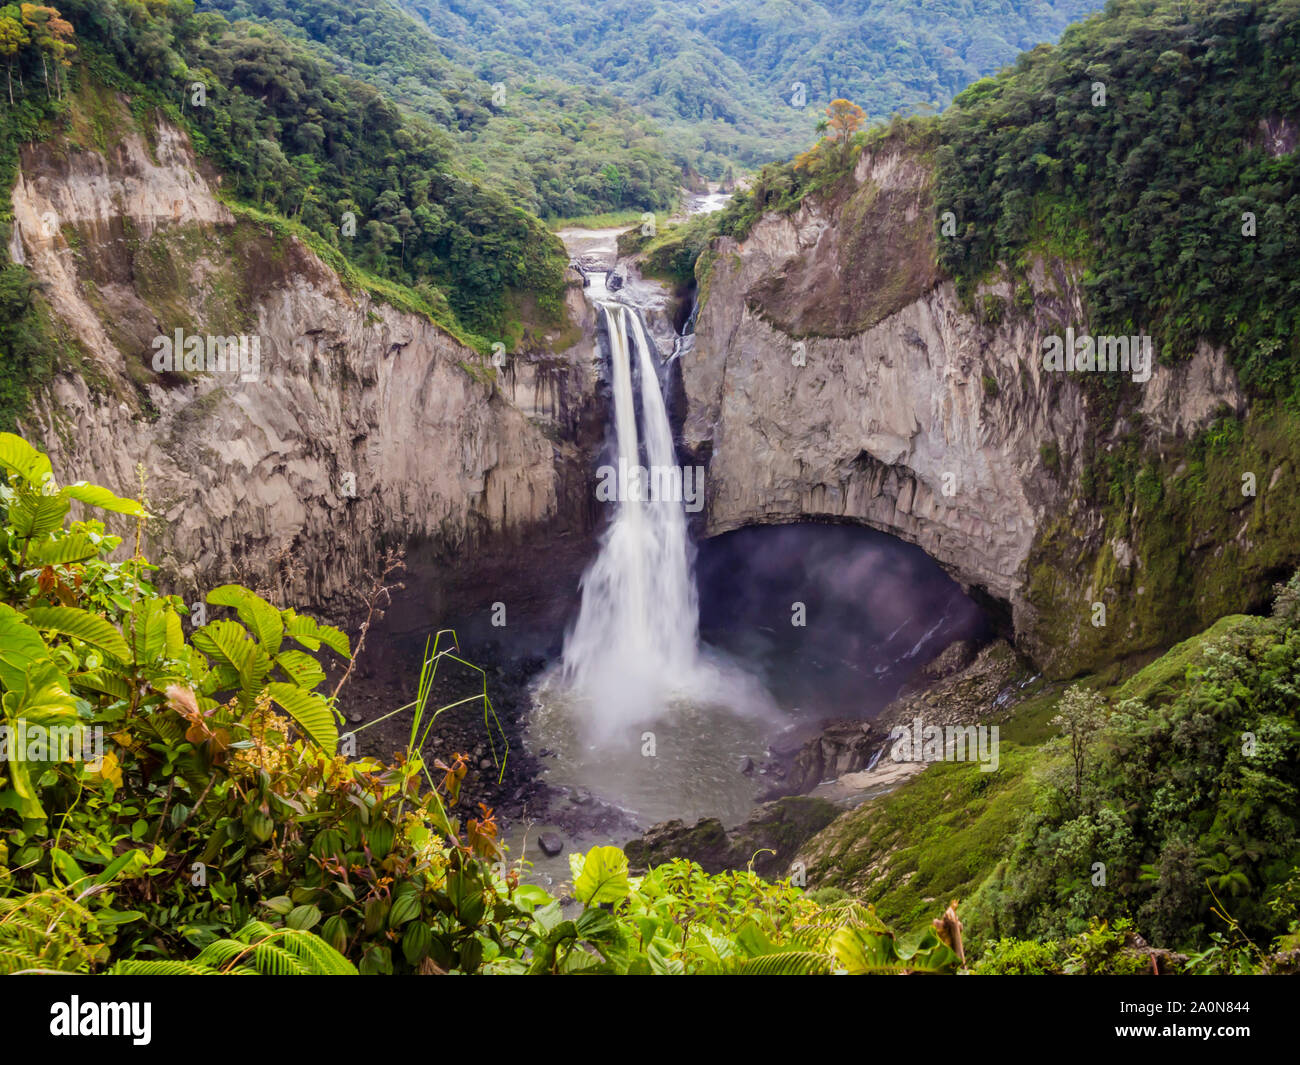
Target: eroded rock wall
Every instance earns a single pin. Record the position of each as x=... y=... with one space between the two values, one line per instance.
x=814 y=396
x=364 y=426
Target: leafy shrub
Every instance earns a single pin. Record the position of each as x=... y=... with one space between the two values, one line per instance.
x=1019 y=957
x=221 y=786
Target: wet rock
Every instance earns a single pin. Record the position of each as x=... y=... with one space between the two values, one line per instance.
x=705 y=842
x=843 y=747
x=747 y=767
x=952 y=659
x=963 y=696
x=550 y=843
x=770 y=838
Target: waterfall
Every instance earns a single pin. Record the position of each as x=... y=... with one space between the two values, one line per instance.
x=635 y=641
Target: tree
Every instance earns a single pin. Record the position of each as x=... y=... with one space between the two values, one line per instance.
x=37 y=20
x=53 y=35
x=61 y=46
x=1080 y=715
x=844 y=118
x=12 y=38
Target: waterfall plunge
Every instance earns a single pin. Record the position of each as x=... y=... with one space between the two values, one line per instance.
x=635 y=642
x=633 y=664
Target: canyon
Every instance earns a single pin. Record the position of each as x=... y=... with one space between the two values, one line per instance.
x=833 y=375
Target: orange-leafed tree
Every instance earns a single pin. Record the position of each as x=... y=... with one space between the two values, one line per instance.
x=53 y=36
x=844 y=118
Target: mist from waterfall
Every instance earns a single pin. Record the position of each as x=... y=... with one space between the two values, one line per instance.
x=635 y=648
x=635 y=640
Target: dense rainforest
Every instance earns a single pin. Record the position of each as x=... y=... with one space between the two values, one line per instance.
x=744 y=82
x=556 y=149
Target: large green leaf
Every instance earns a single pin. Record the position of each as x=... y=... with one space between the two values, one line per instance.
x=20 y=783
x=229 y=643
x=311 y=635
x=44 y=698
x=20 y=646
x=74 y=547
x=785 y=963
x=310 y=712
x=305 y=670
x=174 y=641
x=603 y=877
x=335 y=639
x=32 y=514
x=262 y=619
x=102 y=498
x=861 y=952
x=303 y=629
x=18 y=456
x=146 y=629
x=82 y=625
x=105 y=683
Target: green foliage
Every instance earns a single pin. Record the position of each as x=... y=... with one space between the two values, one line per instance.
x=181 y=805
x=1147 y=191
x=27 y=343
x=547 y=146
x=719 y=78
x=1102 y=949
x=257 y=949
x=1080 y=716
x=679 y=920
x=1019 y=957
x=671 y=253
x=328 y=152
x=1190 y=802
x=48 y=931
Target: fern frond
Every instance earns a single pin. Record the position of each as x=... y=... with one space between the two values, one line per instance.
x=320 y=958
x=133 y=967
x=785 y=963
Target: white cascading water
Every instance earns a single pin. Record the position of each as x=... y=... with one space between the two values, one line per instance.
x=635 y=642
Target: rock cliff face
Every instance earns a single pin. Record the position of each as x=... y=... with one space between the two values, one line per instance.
x=835 y=376
x=364 y=426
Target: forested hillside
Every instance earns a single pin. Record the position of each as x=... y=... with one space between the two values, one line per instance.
x=723 y=76
x=555 y=149
x=1157 y=145
x=293 y=137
